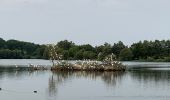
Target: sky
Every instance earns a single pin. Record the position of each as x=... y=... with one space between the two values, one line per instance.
x=85 y=21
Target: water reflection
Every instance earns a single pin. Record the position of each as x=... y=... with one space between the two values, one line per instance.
x=16 y=73
x=60 y=77
x=56 y=85
x=52 y=89
x=151 y=74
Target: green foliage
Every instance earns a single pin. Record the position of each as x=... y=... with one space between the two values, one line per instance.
x=117 y=47
x=126 y=54
x=65 y=54
x=87 y=47
x=100 y=56
x=14 y=49
x=167 y=59
x=150 y=59
x=155 y=50
x=41 y=52
x=73 y=51
x=89 y=55
x=11 y=54
x=79 y=55
x=66 y=45
x=2 y=43
x=143 y=50
x=103 y=50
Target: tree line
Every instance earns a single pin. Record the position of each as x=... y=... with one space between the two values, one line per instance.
x=141 y=51
x=14 y=49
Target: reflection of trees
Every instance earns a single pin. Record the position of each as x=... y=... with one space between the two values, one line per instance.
x=12 y=72
x=151 y=75
x=59 y=77
x=112 y=78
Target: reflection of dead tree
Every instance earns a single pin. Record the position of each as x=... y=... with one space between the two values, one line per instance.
x=52 y=87
x=55 y=80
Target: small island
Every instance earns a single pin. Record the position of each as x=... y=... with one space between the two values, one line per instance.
x=110 y=63
x=89 y=66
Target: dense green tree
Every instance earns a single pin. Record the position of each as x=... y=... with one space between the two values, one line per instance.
x=117 y=47
x=151 y=49
x=2 y=43
x=65 y=54
x=79 y=55
x=107 y=49
x=10 y=54
x=89 y=55
x=66 y=45
x=137 y=49
x=73 y=51
x=126 y=54
x=46 y=53
x=100 y=56
x=87 y=47
x=40 y=52
x=104 y=49
x=19 y=49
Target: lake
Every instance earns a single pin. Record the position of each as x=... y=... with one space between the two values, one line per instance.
x=142 y=81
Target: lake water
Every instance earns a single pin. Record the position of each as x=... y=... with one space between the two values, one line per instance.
x=142 y=81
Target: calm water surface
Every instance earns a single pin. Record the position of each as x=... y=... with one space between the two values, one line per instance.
x=138 y=83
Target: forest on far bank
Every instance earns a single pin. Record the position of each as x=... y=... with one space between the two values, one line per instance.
x=158 y=50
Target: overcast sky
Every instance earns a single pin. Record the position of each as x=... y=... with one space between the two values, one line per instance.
x=85 y=21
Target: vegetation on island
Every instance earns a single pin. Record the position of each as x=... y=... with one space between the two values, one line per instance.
x=158 y=50
x=110 y=63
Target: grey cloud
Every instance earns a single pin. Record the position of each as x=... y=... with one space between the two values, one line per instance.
x=85 y=21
